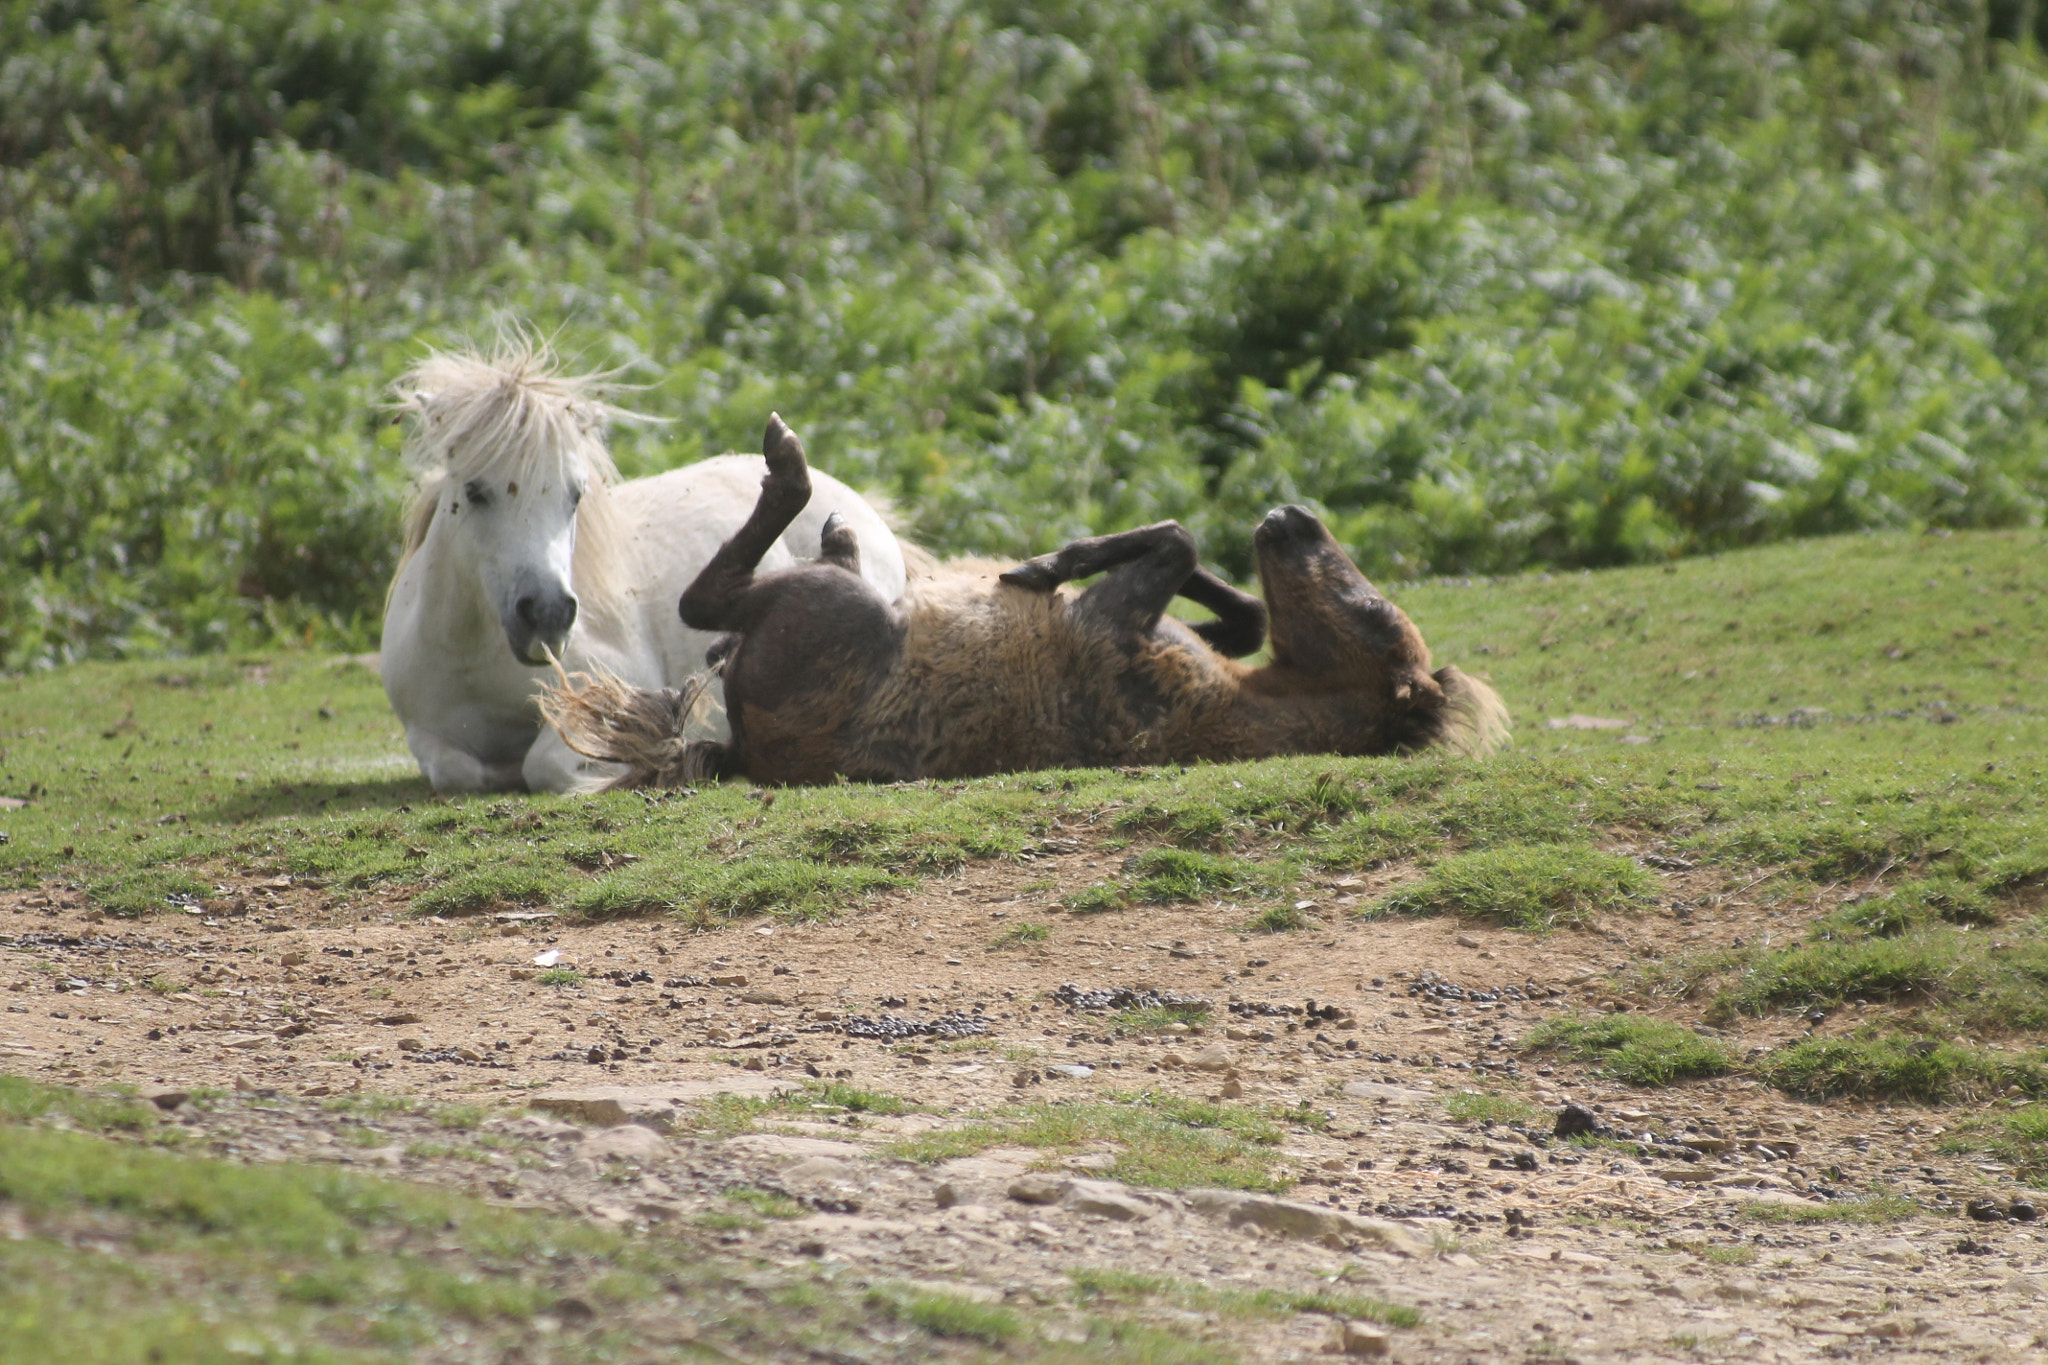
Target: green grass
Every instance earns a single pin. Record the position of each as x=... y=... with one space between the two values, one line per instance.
x=1525 y=886
x=1632 y=1048
x=1883 y=1066
x=1097 y=1283
x=2018 y=1137
x=949 y=1315
x=1884 y=1208
x=1471 y=1107
x=131 y=1253
x=1020 y=934
x=1096 y=899
x=727 y=1115
x=1153 y=1018
x=22 y=1101
x=1163 y=876
x=1279 y=919
x=766 y=1203
x=1160 y=1141
x=1937 y=832
x=314 y=1238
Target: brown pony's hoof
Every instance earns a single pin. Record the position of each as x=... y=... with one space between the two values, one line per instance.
x=1033 y=575
x=784 y=452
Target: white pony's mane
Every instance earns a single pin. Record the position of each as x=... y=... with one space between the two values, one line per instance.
x=512 y=412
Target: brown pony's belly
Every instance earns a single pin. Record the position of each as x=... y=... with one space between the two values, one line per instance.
x=1062 y=700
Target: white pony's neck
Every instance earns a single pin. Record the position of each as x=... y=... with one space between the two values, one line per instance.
x=511 y=414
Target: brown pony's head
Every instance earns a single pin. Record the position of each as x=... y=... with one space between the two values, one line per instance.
x=1331 y=630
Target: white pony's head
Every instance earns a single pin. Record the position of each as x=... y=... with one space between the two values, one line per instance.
x=512 y=454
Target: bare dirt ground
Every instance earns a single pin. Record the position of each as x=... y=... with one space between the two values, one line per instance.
x=285 y=995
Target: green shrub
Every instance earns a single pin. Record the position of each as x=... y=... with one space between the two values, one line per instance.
x=1636 y=290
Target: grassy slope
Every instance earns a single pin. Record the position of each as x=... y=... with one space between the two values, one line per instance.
x=122 y=1246
x=1918 y=790
x=156 y=779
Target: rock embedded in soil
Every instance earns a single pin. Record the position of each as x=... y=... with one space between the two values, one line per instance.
x=658 y=1107
x=629 y=1140
x=1307 y=1222
x=1363 y=1339
x=1575 y=1121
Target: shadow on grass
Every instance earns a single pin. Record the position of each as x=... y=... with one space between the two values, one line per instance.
x=269 y=800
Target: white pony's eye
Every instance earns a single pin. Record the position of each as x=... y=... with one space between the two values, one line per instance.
x=575 y=497
x=474 y=491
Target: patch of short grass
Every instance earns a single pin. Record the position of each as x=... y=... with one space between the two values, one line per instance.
x=1878 y=1065
x=24 y=1101
x=134 y=892
x=729 y=1115
x=1279 y=919
x=951 y=1315
x=460 y=1117
x=1160 y=1140
x=1524 y=886
x=1972 y=983
x=766 y=1203
x=1097 y=1283
x=1880 y=1208
x=1153 y=1018
x=791 y=890
x=304 y=1227
x=1469 y=1106
x=1633 y=1048
x=1019 y=935
x=1162 y=876
x=2018 y=1137
x=559 y=976
x=1096 y=899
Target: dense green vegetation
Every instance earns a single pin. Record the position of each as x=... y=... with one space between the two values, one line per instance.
x=1495 y=285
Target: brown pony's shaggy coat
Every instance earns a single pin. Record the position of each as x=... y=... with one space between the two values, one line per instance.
x=983 y=668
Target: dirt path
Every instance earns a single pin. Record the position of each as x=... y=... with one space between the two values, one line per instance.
x=283 y=995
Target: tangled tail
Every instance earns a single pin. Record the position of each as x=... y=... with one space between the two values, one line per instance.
x=604 y=718
x=1474 y=720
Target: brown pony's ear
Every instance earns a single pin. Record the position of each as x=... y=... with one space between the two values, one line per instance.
x=1421 y=691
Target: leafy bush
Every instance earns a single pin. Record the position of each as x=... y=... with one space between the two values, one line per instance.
x=1495 y=287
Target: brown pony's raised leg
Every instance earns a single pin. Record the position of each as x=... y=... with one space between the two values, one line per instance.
x=837 y=544
x=716 y=598
x=1155 y=564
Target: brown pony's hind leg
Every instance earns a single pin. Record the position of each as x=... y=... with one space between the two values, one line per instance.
x=716 y=598
x=837 y=544
x=1158 y=564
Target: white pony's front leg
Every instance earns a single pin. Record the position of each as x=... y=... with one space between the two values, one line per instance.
x=552 y=766
x=451 y=769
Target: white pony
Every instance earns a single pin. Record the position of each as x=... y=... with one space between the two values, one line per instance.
x=519 y=545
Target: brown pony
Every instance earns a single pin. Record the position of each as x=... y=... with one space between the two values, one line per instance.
x=981 y=669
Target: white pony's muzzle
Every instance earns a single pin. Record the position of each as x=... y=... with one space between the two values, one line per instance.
x=537 y=623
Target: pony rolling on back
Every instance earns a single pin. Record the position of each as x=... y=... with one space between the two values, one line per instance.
x=519 y=545
x=981 y=670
